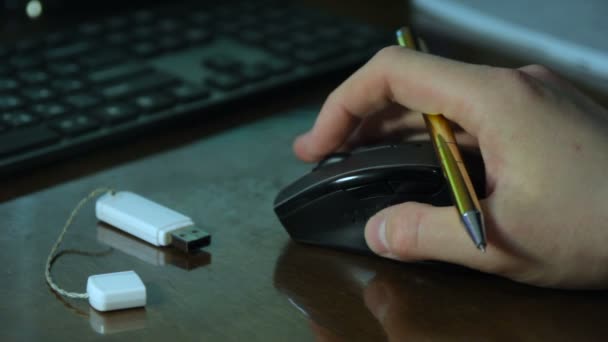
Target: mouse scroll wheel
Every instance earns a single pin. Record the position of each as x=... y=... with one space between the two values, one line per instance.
x=332 y=159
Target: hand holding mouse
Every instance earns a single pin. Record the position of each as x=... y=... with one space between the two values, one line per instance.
x=544 y=146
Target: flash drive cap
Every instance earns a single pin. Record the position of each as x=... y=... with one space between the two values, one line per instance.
x=115 y=291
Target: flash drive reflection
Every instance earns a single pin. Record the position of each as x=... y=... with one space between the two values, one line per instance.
x=148 y=253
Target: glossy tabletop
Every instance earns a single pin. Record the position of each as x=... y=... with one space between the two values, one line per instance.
x=252 y=283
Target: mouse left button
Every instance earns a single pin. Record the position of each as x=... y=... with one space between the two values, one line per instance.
x=332 y=159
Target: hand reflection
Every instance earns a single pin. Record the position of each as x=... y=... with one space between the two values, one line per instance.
x=414 y=313
x=347 y=297
x=423 y=306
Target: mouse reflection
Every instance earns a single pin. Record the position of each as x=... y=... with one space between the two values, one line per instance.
x=153 y=255
x=352 y=297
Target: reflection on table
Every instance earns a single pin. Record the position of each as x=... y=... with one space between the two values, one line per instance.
x=348 y=297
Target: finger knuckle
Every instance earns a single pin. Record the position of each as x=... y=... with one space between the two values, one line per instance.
x=538 y=69
x=519 y=83
x=402 y=231
x=387 y=53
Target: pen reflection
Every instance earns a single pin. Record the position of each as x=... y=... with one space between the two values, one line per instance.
x=348 y=297
x=157 y=256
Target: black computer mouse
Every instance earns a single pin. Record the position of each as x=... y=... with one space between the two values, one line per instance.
x=331 y=205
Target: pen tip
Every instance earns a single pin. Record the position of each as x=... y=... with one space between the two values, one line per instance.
x=482 y=248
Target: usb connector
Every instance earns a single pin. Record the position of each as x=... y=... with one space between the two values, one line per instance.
x=150 y=221
x=189 y=239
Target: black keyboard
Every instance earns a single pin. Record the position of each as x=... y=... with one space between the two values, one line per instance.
x=68 y=91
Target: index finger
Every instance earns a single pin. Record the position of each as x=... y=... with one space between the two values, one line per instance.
x=418 y=81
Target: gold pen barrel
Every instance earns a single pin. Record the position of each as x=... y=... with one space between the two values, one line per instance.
x=450 y=159
x=452 y=163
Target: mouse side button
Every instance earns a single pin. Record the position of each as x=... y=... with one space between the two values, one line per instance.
x=414 y=187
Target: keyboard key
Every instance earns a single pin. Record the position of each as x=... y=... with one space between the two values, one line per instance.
x=118 y=38
x=17 y=119
x=137 y=85
x=71 y=50
x=225 y=81
x=25 y=61
x=5 y=68
x=64 y=68
x=331 y=32
x=7 y=83
x=82 y=100
x=27 y=45
x=303 y=39
x=90 y=29
x=280 y=66
x=56 y=38
x=197 y=35
x=38 y=93
x=26 y=138
x=8 y=102
x=168 y=25
x=252 y=36
x=228 y=26
x=281 y=46
x=222 y=63
x=103 y=58
x=114 y=23
x=67 y=85
x=316 y=55
x=274 y=29
x=187 y=93
x=118 y=73
x=117 y=113
x=5 y=51
x=143 y=16
x=143 y=32
x=256 y=72
x=154 y=102
x=222 y=13
x=75 y=125
x=170 y=43
x=33 y=76
x=273 y=14
x=201 y=18
x=49 y=109
x=146 y=49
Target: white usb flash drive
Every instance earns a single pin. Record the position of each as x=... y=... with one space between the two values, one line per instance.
x=150 y=221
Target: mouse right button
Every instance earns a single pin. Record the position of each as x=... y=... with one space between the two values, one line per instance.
x=414 y=187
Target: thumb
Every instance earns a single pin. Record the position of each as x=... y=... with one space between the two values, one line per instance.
x=414 y=231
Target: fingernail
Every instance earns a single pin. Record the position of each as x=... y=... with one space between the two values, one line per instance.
x=382 y=234
x=375 y=234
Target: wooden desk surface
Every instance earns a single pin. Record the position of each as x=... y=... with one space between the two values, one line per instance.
x=252 y=283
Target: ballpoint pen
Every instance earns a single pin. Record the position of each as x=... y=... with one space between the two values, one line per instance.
x=450 y=159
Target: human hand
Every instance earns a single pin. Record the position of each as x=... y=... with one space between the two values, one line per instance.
x=544 y=146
